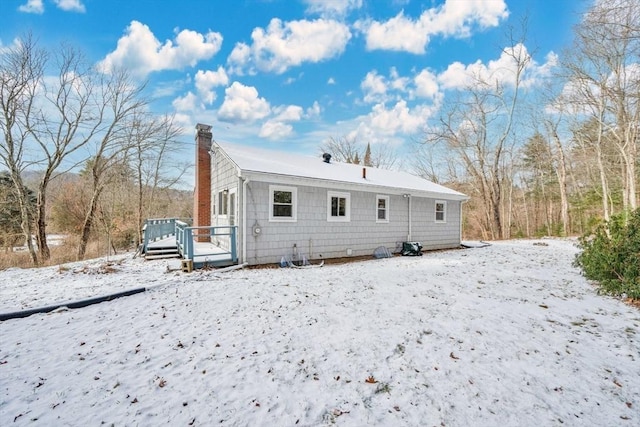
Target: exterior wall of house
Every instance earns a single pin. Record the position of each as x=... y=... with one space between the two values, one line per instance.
x=317 y=238
x=224 y=183
x=432 y=234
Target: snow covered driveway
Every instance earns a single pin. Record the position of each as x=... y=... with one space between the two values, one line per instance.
x=506 y=335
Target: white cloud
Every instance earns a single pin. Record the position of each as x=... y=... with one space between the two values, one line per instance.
x=374 y=87
x=71 y=5
x=378 y=88
x=385 y=124
x=239 y=58
x=502 y=70
x=397 y=82
x=398 y=33
x=457 y=75
x=331 y=81
x=4 y=48
x=275 y=130
x=452 y=19
x=314 y=110
x=285 y=45
x=187 y=103
x=456 y=18
x=399 y=119
x=289 y=113
x=207 y=80
x=242 y=104
x=278 y=127
x=337 y=8
x=426 y=84
x=32 y=6
x=536 y=73
x=141 y=52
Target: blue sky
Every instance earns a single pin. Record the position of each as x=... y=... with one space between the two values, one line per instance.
x=288 y=74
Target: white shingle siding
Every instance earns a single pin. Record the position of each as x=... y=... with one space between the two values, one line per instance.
x=314 y=236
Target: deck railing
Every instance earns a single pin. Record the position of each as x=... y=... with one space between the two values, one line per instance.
x=157 y=229
x=224 y=235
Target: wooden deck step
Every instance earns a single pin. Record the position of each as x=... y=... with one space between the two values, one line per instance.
x=154 y=251
x=162 y=252
x=162 y=256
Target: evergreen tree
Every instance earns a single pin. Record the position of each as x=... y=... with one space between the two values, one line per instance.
x=367 y=155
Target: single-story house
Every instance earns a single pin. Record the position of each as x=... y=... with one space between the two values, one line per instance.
x=290 y=205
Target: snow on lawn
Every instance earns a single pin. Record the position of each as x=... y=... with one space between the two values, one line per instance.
x=505 y=335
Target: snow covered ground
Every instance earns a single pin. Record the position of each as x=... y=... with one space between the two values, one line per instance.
x=505 y=335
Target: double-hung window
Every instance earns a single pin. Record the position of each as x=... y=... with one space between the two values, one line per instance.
x=223 y=205
x=382 y=208
x=338 y=207
x=283 y=203
x=441 y=211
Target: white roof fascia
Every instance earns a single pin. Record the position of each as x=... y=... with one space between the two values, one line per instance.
x=346 y=186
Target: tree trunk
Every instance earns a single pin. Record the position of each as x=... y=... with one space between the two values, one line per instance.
x=496 y=201
x=41 y=224
x=603 y=184
x=630 y=163
x=25 y=224
x=88 y=225
x=561 y=172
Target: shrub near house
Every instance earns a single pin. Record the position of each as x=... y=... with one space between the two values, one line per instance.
x=611 y=255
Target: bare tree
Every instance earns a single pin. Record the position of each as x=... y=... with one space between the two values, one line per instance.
x=48 y=120
x=602 y=68
x=121 y=100
x=153 y=158
x=537 y=163
x=21 y=70
x=560 y=166
x=67 y=118
x=349 y=150
x=477 y=127
x=553 y=128
x=342 y=149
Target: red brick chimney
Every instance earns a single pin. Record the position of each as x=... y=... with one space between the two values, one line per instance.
x=202 y=196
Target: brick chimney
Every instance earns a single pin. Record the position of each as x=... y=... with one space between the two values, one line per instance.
x=202 y=196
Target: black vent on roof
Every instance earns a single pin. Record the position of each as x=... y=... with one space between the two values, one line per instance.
x=326 y=157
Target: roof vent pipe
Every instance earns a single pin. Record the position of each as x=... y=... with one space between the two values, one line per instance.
x=364 y=173
x=326 y=157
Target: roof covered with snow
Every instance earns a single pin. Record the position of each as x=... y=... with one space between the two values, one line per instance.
x=288 y=164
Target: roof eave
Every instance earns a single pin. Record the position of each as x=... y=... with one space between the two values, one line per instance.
x=343 y=185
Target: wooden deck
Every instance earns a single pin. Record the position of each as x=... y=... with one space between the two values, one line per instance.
x=178 y=242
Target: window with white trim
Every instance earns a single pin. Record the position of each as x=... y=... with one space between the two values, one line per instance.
x=283 y=203
x=223 y=204
x=338 y=207
x=382 y=208
x=441 y=211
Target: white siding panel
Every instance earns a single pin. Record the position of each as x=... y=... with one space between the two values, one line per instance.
x=316 y=238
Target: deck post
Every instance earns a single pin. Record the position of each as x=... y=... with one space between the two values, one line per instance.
x=188 y=243
x=145 y=237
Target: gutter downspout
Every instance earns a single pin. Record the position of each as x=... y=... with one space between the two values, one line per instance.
x=408 y=196
x=410 y=221
x=245 y=181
